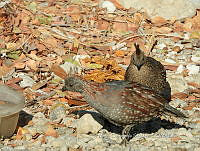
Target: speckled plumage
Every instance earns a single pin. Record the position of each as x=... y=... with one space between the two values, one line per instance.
x=123 y=103
x=149 y=72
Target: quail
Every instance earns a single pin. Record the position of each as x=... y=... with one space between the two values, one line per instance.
x=149 y=72
x=123 y=103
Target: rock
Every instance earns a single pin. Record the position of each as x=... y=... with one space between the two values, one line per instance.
x=177 y=103
x=87 y=124
x=118 y=46
x=68 y=121
x=180 y=68
x=195 y=59
x=72 y=67
x=193 y=69
x=170 y=61
x=178 y=84
x=27 y=80
x=166 y=9
x=57 y=112
x=109 y=6
x=161 y=46
x=193 y=78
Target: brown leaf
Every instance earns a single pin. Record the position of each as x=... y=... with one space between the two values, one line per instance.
x=39 y=85
x=117 y=4
x=190 y=106
x=180 y=95
x=176 y=49
x=119 y=25
x=14 y=80
x=51 y=43
x=158 y=21
x=32 y=64
x=171 y=67
x=57 y=70
x=76 y=102
x=4 y=70
x=74 y=11
x=163 y=30
x=194 y=84
x=103 y=25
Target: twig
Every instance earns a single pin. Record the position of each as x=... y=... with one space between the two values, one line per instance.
x=142 y=35
x=81 y=106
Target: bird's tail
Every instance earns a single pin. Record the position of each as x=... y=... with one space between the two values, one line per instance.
x=174 y=111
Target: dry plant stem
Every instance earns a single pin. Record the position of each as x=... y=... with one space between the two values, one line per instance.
x=21 y=46
x=142 y=35
x=81 y=106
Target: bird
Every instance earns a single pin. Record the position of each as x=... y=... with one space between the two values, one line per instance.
x=149 y=72
x=123 y=103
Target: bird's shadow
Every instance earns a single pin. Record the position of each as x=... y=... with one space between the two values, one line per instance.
x=148 y=127
x=24 y=118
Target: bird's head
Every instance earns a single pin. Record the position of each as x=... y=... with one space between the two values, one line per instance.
x=75 y=84
x=138 y=58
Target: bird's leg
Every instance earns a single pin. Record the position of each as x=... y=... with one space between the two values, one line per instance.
x=125 y=134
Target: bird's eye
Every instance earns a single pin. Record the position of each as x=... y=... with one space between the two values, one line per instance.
x=71 y=85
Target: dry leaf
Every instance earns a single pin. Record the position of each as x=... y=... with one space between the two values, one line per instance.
x=158 y=21
x=38 y=85
x=180 y=95
x=163 y=30
x=119 y=53
x=51 y=132
x=103 y=25
x=57 y=70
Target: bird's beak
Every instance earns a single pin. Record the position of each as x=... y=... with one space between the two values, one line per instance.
x=64 y=88
x=139 y=67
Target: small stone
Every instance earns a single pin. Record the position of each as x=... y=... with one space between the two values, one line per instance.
x=181 y=46
x=87 y=124
x=161 y=46
x=195 y=132
x=118 y=46
x=178 y=102
x=27 y=80
x=193 y=78
x=170 y=61
x=177 y=83
x=195 y=59
x=57 y=112
x=183 y=131
x=180 y=69
x=68 y=121
x=193 y=69
x=57 y=142
x=73 y=67
x=109 y=6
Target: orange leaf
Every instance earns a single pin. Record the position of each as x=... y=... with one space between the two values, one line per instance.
x=119 y=53
x=48 y=102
